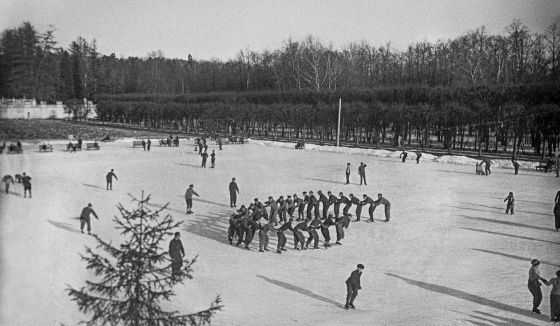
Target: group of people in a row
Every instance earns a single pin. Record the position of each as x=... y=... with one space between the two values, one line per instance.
x=12 y=148
x=8 y=180
x=247 y=220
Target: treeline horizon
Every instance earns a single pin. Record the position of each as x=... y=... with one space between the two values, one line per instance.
x=32 y=65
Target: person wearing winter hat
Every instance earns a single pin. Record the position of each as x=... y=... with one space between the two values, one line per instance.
x=352 y=286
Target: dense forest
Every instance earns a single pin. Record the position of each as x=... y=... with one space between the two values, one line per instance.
x=478 y=91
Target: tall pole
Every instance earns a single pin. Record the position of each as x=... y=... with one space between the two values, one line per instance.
x=338 y=125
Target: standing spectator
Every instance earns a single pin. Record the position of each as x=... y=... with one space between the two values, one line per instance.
x=143 y=144
x=554 y=297
x=84 y=218
x=176 y=252
x=515 y=165
x=188 y=198
x=26 y=180
x=109 y=178
x=212 y=159
x=557 y=212
x=352 y=286
x=7 y=179
x=403 y=156
x=204 y=158
x=362 y=173
x=220 y=143
x=534 y=285
x=510 y=203
x=347 y=173
x=418 y=156
x=233 y=191
x=149 y=144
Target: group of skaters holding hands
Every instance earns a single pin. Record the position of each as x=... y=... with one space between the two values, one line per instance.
x=534 y=285
x=264 y=217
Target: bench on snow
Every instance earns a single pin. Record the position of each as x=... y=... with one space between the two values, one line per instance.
x=45 y=148
x=550 y=165
x=92 y=146
x=137 y=143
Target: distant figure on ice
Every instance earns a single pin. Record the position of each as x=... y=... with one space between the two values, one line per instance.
x=362 y=173
x=7 y=179
x=510 y=203
x=418 y=156
x=383 y=201
x=515 y=166
x=347 y=173
x=220 y=143
x=212 y=159
x=352 y=286
x=487 y=162
x=148 y=144
x=84 y=218
x=176 y=252
x=233 y=191
x=109 y=178
x=554 y=297
x=26 y=180
x=143 y=144
x=188 y=198
x=204 y=158
x=534 y=285
x=557 y=212
x=479 y=170
x=403 y=156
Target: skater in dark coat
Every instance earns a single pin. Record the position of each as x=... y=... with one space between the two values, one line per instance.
x=290 y=203
x=241 y=226
x=487 y=162
x=273 y=210
x=85 y=219
x=371 y=202
x=212 y=159
x=335 y=202
x=510 y=203
x=326 y=203
x=418 y=156
x=314 y=225
x=383 y=201
x=342 y=223
x=143 y=144
x=263 y=235
x=403 y=156
x=282 y=209
x=233 y=191
x=298 y=234
x=282 y=237
x=352 y=286
x=26 y=180
x=233 y=224
x=109 y=178
x=347 y=173
x=362 y=173
x=557 y=212
x=148 y=144
x=176 y=252
x=300 y=205
x=188 y=198
x=7 y=179
x=534 y=285
x=329 y=221
x=311 y=204
x=554 y=297
x=347 y=204
x=204 y=158
x=356 y=201
x=515 y=166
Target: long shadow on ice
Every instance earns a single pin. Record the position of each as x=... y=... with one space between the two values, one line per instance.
x=483 y=319
x=197 y=199
x=525 y=259
x=511 y=235
x=467 y=296
x=328 y=181
x=299 y=290
x=189 y=165
x=500 y=209
x=508 y=223
x=64 y=226
x=212 y=226
x=94 y=186
x=527 y=201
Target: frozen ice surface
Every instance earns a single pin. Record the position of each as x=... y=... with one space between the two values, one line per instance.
x=449 y=256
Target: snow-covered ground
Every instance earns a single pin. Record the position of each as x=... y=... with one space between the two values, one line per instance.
x=449 y=256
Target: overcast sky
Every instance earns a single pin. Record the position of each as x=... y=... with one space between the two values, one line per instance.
x=220 y=29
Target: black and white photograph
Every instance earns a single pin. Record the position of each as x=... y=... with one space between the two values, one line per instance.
x=288 y=162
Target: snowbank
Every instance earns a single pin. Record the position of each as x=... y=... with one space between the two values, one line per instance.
x=453 y=159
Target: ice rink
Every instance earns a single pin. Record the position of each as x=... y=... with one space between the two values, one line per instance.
x=449 y=255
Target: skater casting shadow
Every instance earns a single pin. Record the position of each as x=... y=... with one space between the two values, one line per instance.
x=196 y=199
x=461 y=172
x=11 y=193
x=500 y=209
x=525 y=259
x=467 y=296
x=328 y=181
x=213 y=226
x=299 y=290
x=64 y=226
x=167 y=208
x=93 y=186
x=508 y=223
x=483 y=319
x=512 y=235
x=190 y=165
x=527 y=201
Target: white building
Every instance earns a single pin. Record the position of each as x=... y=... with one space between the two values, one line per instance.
x=30 y=109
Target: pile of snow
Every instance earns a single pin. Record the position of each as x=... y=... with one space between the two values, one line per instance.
x=453 y=159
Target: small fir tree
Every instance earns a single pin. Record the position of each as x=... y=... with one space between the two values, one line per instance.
x=135 y=277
